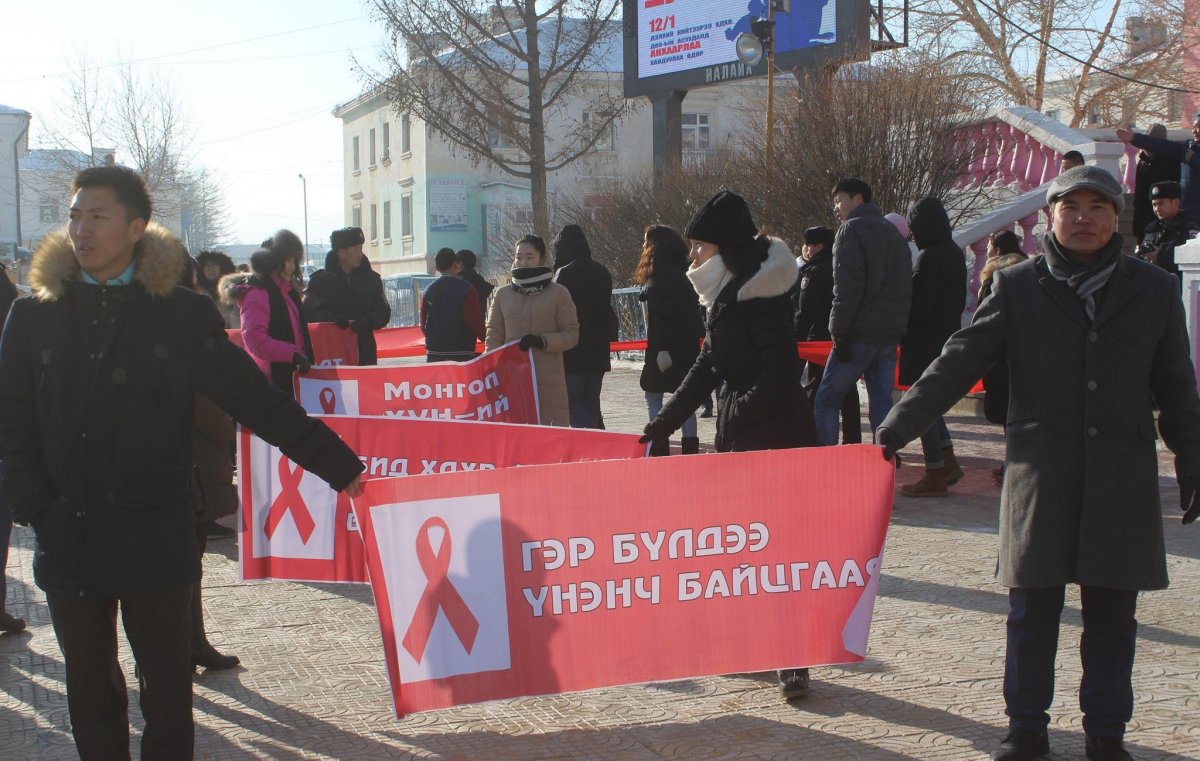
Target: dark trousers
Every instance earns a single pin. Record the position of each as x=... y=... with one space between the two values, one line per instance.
x=158 y=627
x=5 y=535
x=583 y=399
x=851 y=411
x=449 y=356
x=1106 y=650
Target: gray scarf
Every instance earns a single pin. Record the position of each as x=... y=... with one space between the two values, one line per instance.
x=1085 y=279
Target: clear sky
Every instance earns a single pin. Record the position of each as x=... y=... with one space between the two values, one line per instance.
x=257 y=78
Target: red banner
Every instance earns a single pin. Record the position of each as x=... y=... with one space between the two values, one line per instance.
x=294 y=527
x=498 y=386
x=333 y=346
x=530 y=581
x=404 y=342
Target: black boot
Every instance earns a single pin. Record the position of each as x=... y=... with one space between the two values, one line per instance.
x=1022 y=745
x=793 y=683
x=203 y=653
x=1106 y=749
x=691 y=445
x=660 y=447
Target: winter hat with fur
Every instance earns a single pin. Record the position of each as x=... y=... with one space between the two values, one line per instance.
x=725 y=221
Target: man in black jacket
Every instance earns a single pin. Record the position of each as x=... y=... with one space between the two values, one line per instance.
x=1172 y=227
x=590 y=287
x=812 y=300
x=451 y=317
x=348 y=292
x=872 y=287
x=98 y=373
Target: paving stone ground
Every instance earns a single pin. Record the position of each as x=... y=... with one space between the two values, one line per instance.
x=313 y=684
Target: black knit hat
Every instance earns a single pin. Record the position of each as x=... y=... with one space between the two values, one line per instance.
x=724 y=220
x=1166 y=189
x=822 y=235
x=347 y=237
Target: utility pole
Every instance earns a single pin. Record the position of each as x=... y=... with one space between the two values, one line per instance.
x=305 y=185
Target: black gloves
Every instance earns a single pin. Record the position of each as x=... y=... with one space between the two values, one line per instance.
x=890 y=442
x=655 y=429
x=342 y=322
x=531 y=341
x=361 y=326
x=302 y=363
x=1189 y=498
x=841 y=350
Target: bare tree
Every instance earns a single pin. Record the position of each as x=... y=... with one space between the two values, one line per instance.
x=492 y=76
x=1014 y=51
x=205 y=223
x=893 y=125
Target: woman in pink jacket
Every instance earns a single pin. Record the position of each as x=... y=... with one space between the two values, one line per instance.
x=273 y=328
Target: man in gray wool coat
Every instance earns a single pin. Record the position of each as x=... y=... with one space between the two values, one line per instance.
x=1092 y=340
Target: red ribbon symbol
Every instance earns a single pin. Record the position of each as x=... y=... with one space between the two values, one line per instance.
x=328 y=400
x=289 y=499
x=439 y=593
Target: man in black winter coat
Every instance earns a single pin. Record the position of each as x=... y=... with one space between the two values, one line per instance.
x=812 y=301
x=98 y=375
x=939 y=296
x=590 y=286
x=1172 y=227
x=348 y=292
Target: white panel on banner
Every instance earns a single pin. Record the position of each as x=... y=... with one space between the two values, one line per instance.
x=463 y=560
x=294 y=513
x=329 y=397
x=678 y=35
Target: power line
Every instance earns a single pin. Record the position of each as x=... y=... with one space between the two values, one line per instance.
x=1077 y=59
x=192 y=50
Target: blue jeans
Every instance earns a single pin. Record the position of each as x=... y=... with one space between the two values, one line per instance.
x=583 y=399
x=1106 y=650
x=876 y=363
x=654 y=403
x=933 y=442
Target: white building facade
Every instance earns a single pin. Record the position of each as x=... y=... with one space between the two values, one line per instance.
x=14 y=143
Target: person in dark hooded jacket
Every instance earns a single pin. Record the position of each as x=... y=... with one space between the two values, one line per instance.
x=466 y=263
x=9 y=623
x=590 y=286
x=939 y=296
x=349 y=293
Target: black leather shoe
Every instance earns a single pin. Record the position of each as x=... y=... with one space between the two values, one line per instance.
x=793 y=683
x=1022 y=745
x=1106 y=749
x=10 y=624
x=215 y=530
x=207 y=656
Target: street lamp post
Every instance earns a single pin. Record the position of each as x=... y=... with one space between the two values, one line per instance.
x=751 y=47
x=305 y=185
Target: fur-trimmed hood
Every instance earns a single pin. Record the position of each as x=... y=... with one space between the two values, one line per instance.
x=233 y=287
x=775 y=276
x=999 y=263
x=158 y=256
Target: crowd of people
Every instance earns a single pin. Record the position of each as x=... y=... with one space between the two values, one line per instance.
x=117 y=376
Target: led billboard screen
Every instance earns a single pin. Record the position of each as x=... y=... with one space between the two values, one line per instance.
x=677 y=35
x=683 y=44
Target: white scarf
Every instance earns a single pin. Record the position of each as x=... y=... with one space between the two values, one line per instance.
x=708 y=279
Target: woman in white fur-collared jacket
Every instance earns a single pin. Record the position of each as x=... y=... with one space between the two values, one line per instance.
x=743 y=280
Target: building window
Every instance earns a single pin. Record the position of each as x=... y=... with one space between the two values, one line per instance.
x=355 y=152
x=356 y=216
x=1174 y=107
x=387 y=141
x=371 y=146
x=405 y=134
x=695 y=132
x=496 y=138
x=406 y=225
x=1054 y=114
x=374 y=222
x=387 y=220
x=607 y=140
x=49 y=212
x=1094 y=116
